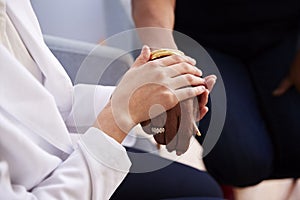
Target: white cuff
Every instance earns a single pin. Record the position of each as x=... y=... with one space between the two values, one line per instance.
x=106 y=150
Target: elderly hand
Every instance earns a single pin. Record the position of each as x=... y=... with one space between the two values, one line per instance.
x=179 y=123
x=292 y=79
x=147 y=90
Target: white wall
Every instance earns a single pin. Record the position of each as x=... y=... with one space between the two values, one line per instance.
x=86 y=20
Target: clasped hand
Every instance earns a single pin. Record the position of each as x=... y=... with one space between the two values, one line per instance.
x=179 y=123
x=148 y=89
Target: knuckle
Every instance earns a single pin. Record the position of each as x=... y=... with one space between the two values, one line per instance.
x=177 y=58
x=189 y=78
x=161 y=75
x=169 y=98
x=190 y=92
x=153 y=63
x=185 y=66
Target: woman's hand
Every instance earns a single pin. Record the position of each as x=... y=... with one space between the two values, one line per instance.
x=180 y=121
x=150 y=89
x=292 y=79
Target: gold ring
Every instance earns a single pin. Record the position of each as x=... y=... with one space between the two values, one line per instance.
x=164 y=52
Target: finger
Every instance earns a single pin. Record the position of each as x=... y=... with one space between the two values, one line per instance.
x=203 y=98
x=172 y=123
x=186 y=128
x=171 y=143
x=203 y=111
x=210 y=82
x=171 y=140
x=189 y=92
x=159 y=122
x=175 y=59
x=183 y=68
x=160 y=138
x=186 y=80
x=146 y=126
x=196 y=108
x=285 y=84
x=185 y=132
x=143 y=57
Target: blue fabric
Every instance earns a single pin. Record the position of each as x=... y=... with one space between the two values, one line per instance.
x=261 y=135
x=193 y=198
x=238 y=27
x=173 y=181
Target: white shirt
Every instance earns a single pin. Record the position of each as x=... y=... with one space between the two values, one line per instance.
x=10 y=38
x=37 y=109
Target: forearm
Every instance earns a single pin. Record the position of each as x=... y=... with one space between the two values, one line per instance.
x=155 y=13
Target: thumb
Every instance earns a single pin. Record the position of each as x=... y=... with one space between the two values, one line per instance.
x=285 y=84
x=143 y=57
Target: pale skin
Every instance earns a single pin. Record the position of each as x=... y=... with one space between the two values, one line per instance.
x=158 y=13
x=171 y=69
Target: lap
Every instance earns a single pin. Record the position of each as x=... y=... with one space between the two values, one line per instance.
x=173 y=180
x=261 y=132
x=282 y=113
x=243 y=153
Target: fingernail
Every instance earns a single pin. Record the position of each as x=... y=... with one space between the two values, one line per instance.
x=214 y=77
x=212 y=82
x=191 y=59
x=144 y=47
x=202 y=88
x=200 y=71
x=207 y=108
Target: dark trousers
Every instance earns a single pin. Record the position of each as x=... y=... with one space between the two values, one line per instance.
x=261 y=135
x=153 y=177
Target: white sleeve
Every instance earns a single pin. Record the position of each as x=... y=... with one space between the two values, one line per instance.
x=88 y=101
x=93 y=171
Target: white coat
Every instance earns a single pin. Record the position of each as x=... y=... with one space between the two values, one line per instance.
x=39 y=157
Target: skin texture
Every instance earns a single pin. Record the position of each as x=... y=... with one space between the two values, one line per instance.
x=155 y=13
x=165 y=82
x=179 y=124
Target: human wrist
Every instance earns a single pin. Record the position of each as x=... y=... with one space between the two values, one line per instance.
x=107 y=123
x=156 y=37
